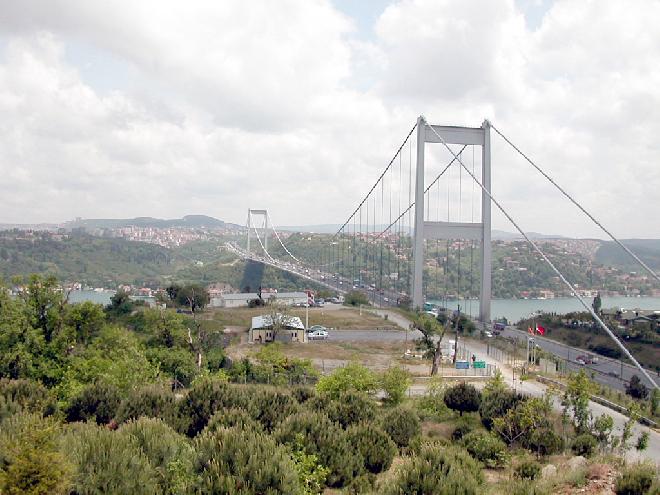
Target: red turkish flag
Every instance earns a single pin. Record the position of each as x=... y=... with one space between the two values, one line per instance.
x=529 y=329
x=540 y=330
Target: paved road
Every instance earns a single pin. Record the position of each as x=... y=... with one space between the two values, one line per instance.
x=607 y=370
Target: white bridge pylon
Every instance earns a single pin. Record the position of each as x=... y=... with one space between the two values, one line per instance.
x=480 y=231
x=251 y=226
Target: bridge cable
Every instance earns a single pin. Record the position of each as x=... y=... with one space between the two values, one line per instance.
x=552 y=266
x=574 y=201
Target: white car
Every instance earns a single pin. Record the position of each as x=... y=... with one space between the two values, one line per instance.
x=318 y=334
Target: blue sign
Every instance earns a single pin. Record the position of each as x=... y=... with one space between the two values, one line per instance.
x=462 y=365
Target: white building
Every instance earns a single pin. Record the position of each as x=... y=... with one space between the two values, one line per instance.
x=292 y=329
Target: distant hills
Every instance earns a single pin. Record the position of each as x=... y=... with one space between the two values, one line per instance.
x=648 y=251
x=198 y=221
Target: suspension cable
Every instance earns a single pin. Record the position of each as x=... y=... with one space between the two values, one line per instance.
x=543 y=255
x=574 y=201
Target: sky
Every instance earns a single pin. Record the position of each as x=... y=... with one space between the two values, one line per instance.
x=164 y=108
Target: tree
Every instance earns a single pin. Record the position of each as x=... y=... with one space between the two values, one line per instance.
x=636 y=388
x=352 y=377
x=375 y=446
x=395 y=382
x=120 y=303
x=496 y=403
x=193 y=296
x=432 y=333
x=527 y=417
x=576 y=400
x=172 y=291
x=463 y=397
x=30 y=461
x=356 y=298
x=86 y=319
x=402 y=425
x=597 y=303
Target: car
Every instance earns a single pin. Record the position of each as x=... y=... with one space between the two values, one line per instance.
x=488 y=334
x=318 y=335
x=580 y=361
x=313 y=328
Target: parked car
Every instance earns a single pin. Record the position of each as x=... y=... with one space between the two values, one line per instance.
x=314 y=328
x=488 y=334
x=318 y=335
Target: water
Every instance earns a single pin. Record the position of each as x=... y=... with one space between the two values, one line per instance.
x=516 y=309
x=99 y=297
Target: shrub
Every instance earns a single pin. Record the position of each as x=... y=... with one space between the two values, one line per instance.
x=545 y=441
x=352 y=377
x=438 y=470
x=528 y=470
x=356 y=298
x=206 y=396
x=496 y=404
x=232 y=418
x=29 y=395
x=30 y=462
x=362 y=484
x=402 y=425
x=637 y=479
x=349 y=409
x=302 y=394
x=486 y=448
x=321 y=437
x=106 y=462
x=636 y=388
x=395 y=382
x=169 y=453
x=234 y=461
x=374 y=445
x=269 y=406
x=584 y=444
x=460 y=431
x=152 y=401
x=98 y=401
x=462 y=397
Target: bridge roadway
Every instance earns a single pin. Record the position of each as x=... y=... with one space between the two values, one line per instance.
x=613 y=373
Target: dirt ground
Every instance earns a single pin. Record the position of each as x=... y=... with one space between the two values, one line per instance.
x=332 y=316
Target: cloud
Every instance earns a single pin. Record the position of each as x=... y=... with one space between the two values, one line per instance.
x=156 y=108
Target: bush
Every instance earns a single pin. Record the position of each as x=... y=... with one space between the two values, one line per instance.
x=98 y=401
x=106 y=462
x=352 y=377
x=152 y=401
x=460 y=431
x=496 y=404
x=268 y=406
x=638 y=479
x=486 y=448
x=528 y=470
x=395 y=382
x=321 y=437
x=636 y=388
x=169 y=453
x=302 y=394
x=349 y=409
x=462 y=397
x=232 y=418
x=545 y=441
x=30 y=462
x=402 y=425
x=234 y=461
x=29 y=395
x=374 y=445
x=584 y=444
x=206 y=396
x=437 y=470
x=355 y=298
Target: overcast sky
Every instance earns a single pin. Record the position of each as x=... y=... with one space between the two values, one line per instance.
x=164 y=108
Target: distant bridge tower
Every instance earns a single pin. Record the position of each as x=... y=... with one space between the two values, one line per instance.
x=253 y=229
x=481 y=231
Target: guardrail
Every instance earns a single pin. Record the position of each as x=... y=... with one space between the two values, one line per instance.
x=602 y=401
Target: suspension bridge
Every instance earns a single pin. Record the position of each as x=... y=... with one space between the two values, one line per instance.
x=418 y=236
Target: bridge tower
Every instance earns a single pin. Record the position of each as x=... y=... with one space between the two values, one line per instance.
x=481 y=231
x=251 y=227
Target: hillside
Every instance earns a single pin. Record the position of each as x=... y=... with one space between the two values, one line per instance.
x=612 y=255
x=191 y=221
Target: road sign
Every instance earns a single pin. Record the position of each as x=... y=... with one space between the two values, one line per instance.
x=462 y=365
x=479 y=364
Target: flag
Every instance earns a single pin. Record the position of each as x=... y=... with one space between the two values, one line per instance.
x=310 y=298
x=540 y=329
x=529 y=329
